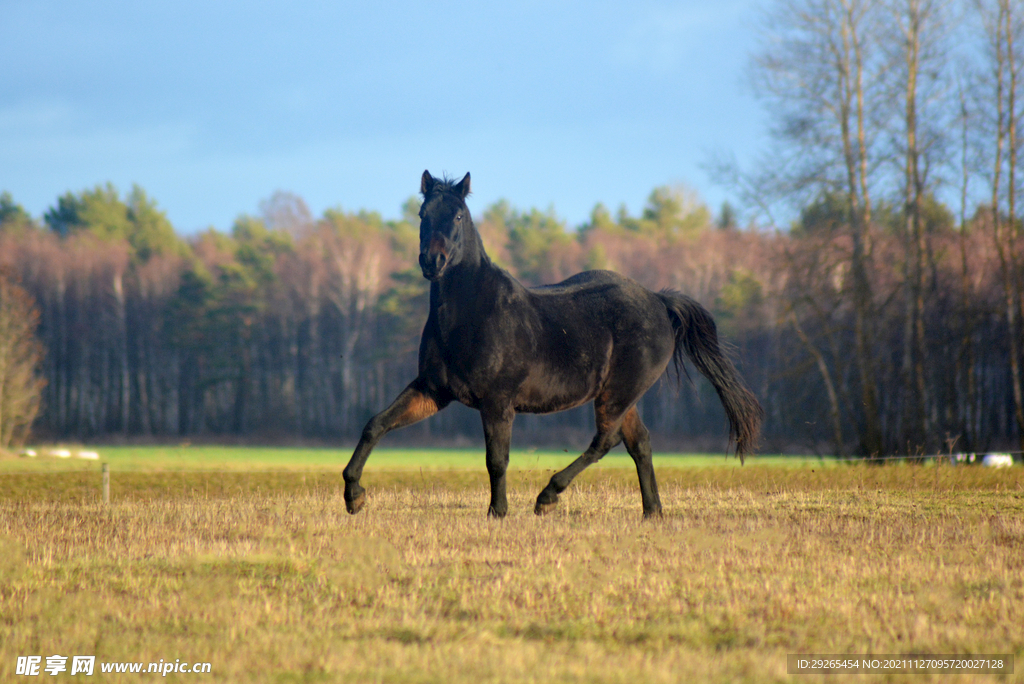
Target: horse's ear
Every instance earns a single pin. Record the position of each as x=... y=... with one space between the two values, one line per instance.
x=462 y=189
x=426 y=184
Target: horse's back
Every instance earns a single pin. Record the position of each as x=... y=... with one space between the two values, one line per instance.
x=610 y=296
x=582 y=282
x=604 y=304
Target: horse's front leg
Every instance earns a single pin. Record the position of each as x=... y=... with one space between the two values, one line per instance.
x=498 y=436
x=415 y=403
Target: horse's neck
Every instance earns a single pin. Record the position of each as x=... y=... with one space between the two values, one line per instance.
x=462 y=289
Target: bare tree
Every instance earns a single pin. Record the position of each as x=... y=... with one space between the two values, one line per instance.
x=1003 y=24
x=819 y=74
x=357 y=263
x=918 y=47
x=286 y=211
x=966 y=359
x=303 y=274
x=21 y=386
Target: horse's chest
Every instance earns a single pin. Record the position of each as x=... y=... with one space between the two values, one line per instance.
x=466 y=360
x=476 y=365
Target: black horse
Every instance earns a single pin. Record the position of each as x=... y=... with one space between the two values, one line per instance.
x=498 y=347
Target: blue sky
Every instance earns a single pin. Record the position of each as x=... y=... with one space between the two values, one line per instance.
x=211 y=105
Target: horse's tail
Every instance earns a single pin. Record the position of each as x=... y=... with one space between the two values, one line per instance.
x=697 y=337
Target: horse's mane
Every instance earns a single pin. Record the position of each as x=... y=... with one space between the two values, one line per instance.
x=446 y=184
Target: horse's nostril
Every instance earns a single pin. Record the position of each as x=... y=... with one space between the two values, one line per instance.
x=433 y=264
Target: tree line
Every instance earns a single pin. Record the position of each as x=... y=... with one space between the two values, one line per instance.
x=295 y=327
x=878 y=307
x=879 y=108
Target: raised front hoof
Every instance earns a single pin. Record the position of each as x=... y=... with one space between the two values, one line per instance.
x=355 y=502
x=546 y=502
x=544 y=508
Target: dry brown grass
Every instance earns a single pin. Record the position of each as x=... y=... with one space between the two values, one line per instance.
x=266 y=577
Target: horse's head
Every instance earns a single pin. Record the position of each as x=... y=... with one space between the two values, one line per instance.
x=444 y=224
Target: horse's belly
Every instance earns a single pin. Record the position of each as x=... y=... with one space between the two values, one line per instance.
x=548 y=393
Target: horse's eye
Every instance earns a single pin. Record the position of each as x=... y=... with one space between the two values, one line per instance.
x=458 y=217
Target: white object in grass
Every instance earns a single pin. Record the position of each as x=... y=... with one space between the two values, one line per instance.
x=997 y=460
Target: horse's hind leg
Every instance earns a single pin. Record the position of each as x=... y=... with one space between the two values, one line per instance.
x=414 y=404
x=638 y=443
x=608 y=436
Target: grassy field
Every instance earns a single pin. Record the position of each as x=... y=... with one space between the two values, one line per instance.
x=247 y=560
x=190 y=458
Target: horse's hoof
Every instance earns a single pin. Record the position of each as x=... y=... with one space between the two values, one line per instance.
x=356 y=504
x=546 y=501
x=544 y=508
x=495 y=514
x=653 y=515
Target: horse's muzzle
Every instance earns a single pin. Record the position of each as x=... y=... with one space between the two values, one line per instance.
x=433 y=265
